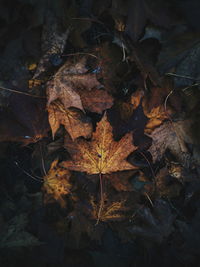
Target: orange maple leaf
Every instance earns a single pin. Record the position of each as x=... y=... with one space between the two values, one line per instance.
x=102 y=154
x=75 y=121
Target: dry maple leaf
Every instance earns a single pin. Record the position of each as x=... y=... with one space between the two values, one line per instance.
x=74 y=121
x=56 y=184
x=103 y=154
x=66 y=82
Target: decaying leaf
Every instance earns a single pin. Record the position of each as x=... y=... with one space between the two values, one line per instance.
x=15 y=235
x=156 y=225
x=113 y=211
x=66 y=82
x=96 y=101
x=120 y=180
x=57 y=184
x=165 y=186
x=53 y=42
x=168 y=136
x=75 y=122
x=102 y=154
x=78 y=226
x=142 y=10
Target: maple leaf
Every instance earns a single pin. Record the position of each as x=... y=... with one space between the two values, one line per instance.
x=56 y=184
x=103 y=154
x=66 y=82
x=74 y=121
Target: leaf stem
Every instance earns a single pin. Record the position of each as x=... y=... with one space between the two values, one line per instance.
x=101 y=198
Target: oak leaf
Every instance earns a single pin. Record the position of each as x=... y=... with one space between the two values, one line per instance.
x=75 y=122
x=102 y=154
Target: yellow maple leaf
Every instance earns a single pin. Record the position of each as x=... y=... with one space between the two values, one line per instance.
x=56 y=184
x=102 y=154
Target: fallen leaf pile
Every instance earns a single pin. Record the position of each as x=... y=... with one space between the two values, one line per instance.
x=99 y=133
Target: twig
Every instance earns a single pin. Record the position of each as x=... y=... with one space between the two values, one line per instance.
x=80 y=53
x=181 y=76
x=166 y=99
x=19 y=92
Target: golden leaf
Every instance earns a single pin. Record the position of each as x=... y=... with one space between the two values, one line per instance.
x=102 y=154
x=156 y=117
x=75 y=122
x=56 y=184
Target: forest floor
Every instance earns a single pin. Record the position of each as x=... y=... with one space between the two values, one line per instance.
x=99 y=133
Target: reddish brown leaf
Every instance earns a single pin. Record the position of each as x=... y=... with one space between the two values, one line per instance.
x=96 y=100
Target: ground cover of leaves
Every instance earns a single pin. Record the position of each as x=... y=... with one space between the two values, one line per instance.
x=99 y=133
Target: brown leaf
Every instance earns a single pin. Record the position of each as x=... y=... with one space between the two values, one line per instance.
x=74 y=121
x=168 y=136
x=140 y=11
x=120 y=180
x=56 y=184
x=165 y=187
x=102 y=154
x=66 y=82
x=96 y=100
